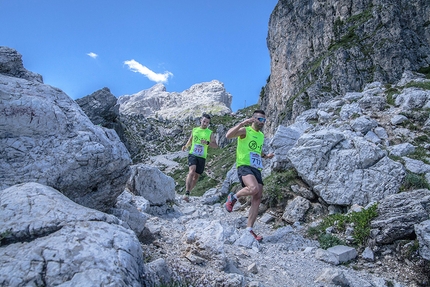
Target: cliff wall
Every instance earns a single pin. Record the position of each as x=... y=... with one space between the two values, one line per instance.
x=322 y=49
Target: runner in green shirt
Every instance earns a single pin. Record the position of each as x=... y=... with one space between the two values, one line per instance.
x=200 y=139
x=249 y=164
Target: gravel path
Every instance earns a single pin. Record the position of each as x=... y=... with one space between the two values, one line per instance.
x=207 y=246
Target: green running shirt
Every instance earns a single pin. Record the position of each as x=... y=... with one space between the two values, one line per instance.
x=249 y=149
x=198 y=149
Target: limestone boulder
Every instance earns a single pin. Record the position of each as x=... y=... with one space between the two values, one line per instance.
x=345 y=169
x=397 y=215
x=153 y=185
x=422 y=231
x=52 y=241
x=102 y=109
x=45 y=137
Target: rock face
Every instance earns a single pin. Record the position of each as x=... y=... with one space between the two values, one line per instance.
x=45 y=137
x=320 y=49
x=210 y=97
x=345 y=149
x=102 y=109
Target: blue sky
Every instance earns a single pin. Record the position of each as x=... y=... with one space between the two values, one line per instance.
x=128 y=46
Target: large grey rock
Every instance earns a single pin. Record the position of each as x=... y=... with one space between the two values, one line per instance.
x=422 y=230
x=343 y=253
x=398 y=213
x=152 y=184
x=131 y=209
x=398 y=119
x=401 y=149
x=156 y=102
x=326 y=256
x=363 y=124
x=102 y=109
x=296 y=209
x=45 y=137
x=413 y=98
x=416 y=166
x=345 y=169
x=51 y=240
x=332 y=276
x=283 y=140
x=373 y=103
x=349 y=110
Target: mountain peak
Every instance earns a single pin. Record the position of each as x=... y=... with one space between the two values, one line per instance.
x=210 y=97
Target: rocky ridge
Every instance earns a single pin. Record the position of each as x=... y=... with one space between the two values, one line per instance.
x=156 y=102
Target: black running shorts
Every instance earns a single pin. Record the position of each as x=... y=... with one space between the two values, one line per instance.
x=246 y=170
x=199 y=162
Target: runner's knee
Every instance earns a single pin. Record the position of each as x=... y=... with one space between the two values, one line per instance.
x=253 y=189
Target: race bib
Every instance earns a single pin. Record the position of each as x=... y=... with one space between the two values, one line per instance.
x=198 y=150
x=255 y=160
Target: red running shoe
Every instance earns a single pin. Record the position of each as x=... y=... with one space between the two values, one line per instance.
x=257 y=237
x=231 y=200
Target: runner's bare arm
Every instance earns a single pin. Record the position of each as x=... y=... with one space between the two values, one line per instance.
x=269 y=155
x=188 y=143
x=213 y=143
x=239 y=130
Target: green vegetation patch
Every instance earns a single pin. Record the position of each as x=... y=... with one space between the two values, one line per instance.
x=359 y=220
x=425 y=70
x=421 y=154
x=414 y=181
x=420 y=85
x=390 y=92
x=277 y=186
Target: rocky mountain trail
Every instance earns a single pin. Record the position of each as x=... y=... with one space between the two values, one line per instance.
x=204 y=245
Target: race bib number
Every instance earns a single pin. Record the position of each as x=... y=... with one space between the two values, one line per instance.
x=255 y=160
x=198 y=150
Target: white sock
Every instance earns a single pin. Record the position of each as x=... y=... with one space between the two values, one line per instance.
x=249 y=228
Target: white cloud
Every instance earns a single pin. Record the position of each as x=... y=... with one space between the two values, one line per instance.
x=139 y=68
x=93 y=55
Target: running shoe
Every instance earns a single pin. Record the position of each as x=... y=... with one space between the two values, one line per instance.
x=186 y=197
x=231 y=200
x=257 y=237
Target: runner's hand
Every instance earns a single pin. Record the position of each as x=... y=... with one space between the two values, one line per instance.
x=248 y=122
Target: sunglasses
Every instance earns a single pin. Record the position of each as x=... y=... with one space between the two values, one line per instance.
x=261 y=120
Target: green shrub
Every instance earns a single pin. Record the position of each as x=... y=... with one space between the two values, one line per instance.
x=422 y=139
x=5 y=234
x=425 y=70
x=277 y=185
x=421 y=154
x=390 y=95
x=414 y=181
x=421 y=85
x=360 y=221
x=328 y=240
